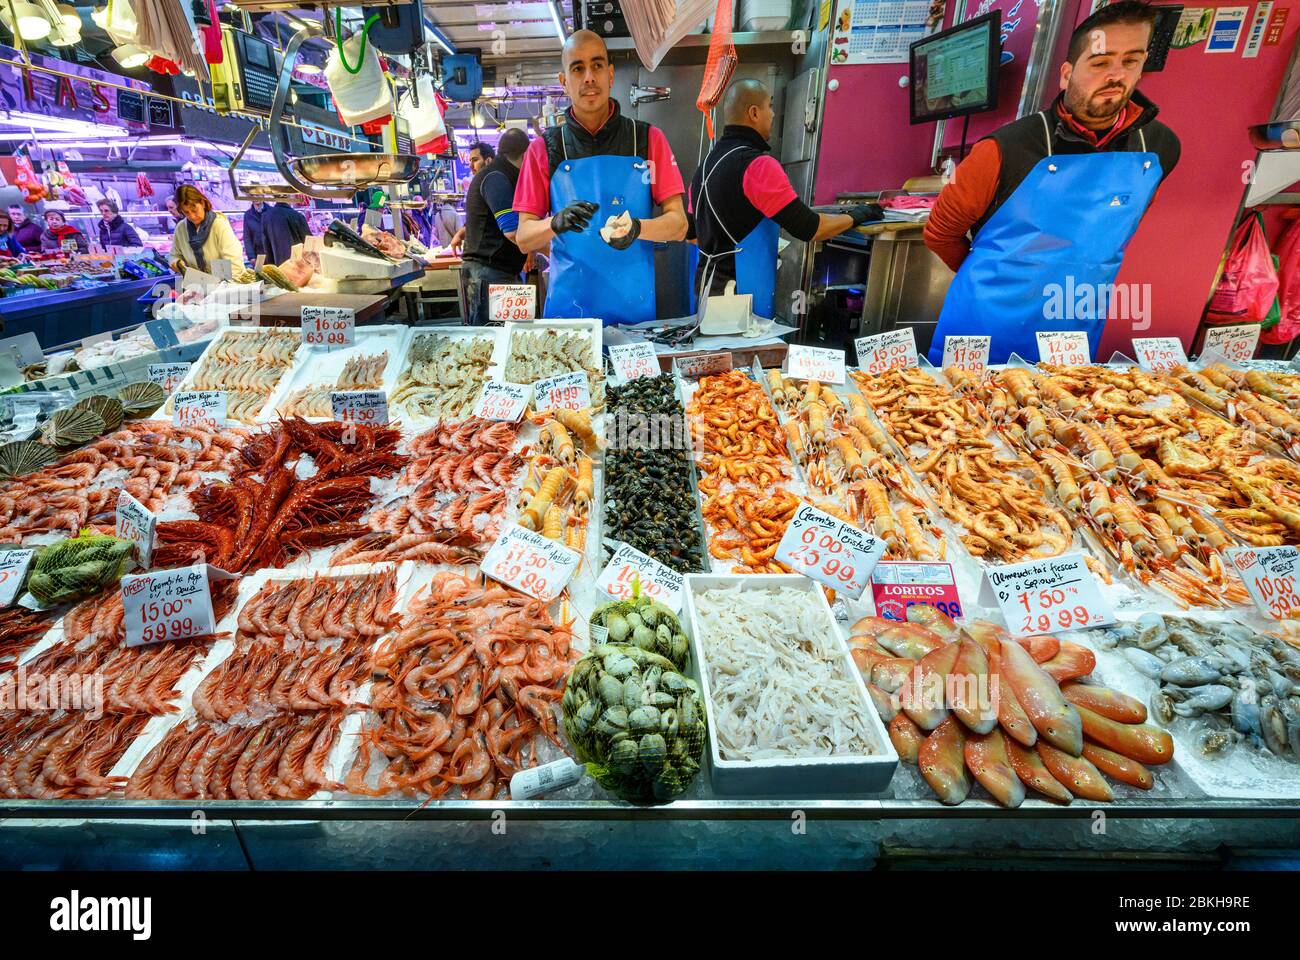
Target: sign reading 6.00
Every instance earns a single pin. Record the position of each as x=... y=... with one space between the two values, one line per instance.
x=830 y=551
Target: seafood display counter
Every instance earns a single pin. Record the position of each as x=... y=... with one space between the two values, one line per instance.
x=369 y=694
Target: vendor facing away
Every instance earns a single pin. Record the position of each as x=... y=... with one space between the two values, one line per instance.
x=1054 y=195
x=741 y=199
x=596 y=165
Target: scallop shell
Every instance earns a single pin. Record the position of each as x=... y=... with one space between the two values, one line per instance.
x=24 y=456
x=110 y=410
x=71 y=426
x=142 y=397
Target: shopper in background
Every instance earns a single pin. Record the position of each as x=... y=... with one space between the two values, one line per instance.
x=114 y=231
x=600 y=161
x=1055 y=195
x=173 y=218
x=282 y=228
x=490 y=254
x=58 y=231
x=27 y=232
x=9 y=245
x=480 y=155
x=204 y=236
x=741 y=199
x=254 y=245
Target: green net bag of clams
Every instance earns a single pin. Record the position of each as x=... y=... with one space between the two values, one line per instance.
x=635 y=721
x=645 y=623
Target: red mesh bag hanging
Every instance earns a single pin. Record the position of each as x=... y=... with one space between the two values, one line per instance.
x=721 y=63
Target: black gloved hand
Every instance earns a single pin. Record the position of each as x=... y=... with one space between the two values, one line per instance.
x=625 y=241
x=866 y=213
x=576 y=216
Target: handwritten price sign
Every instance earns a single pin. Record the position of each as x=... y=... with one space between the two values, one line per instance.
x=529 y=562
x=169 y=376
x=360 y=406
x=568 y=391
x=1069 y=348
x=830 y=551
x=136 y=523
x=204 y=409
x=899 y=584
x=167 y=605
x=966 y=353
x=1270 y=575
x=1234 y=343
x=815 y=363
x=13 y=570
x=1159 y=354
x=633 y=360
x=512 y=301
x=501 y=400
x=702 y=365
x=657 y=581
x=892 y=350
x=1047 y=596
x=328 y=327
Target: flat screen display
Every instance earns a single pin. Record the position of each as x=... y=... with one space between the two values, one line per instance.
x=954 y=72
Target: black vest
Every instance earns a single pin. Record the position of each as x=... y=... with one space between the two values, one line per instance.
x=484 y=240
x=727 y=206
x=620 y=137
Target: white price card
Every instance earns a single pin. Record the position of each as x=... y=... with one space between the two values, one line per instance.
x=633 y=360
x=528 y=561
x=1068 y=348
x=223 y=270
x=658 y=582
x=966 y=353
x=328 y=327
x=205 y=409
x=1046 y=596
x=702 y=365
x=1270 y=574
x=167 y=605
x=13 y=568
x=169 y=376
x=815 y=363
x=830 y=551
x=502 y=400
x=360 y=406
x=136 y=522
x=891 y=350
x=512 y=301
x=1234 y=343
x=568 y=391
x=1159 y=354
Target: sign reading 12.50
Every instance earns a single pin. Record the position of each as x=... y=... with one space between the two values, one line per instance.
x=329 y=327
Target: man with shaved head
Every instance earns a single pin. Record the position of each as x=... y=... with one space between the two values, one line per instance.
x=596 y=167
x=741 y=199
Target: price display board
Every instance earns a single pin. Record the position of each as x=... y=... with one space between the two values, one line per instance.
x=568 y=391
x=169 y=376
x=360 y=406
x=815 y=363
x=204 y=409
x=167 y=605
x=1235 y=343
x=891 y=350
x=330 y=327
x=1069 y=348
x=633 y=360
x=502 y=400
x=966 y=353
x=528 y=561
x=1047 y=596
x=1159 y=354
x=512 y=301
x=657 y=581
x=136 y=522
x=702 y=365
x=13 y=570
x=830 y=551
x=1270 y=576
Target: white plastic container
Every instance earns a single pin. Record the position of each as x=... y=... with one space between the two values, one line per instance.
x=812 y=777
x=757 y=15
x=360 y=97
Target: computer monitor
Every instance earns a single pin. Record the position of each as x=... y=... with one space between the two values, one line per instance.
x=954 y=72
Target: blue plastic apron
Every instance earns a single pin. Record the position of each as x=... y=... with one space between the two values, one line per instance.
x=588 y=277
x=1062 y=232
x=755 y=255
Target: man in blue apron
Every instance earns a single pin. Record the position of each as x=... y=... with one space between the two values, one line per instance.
x=595 y=166
x=741 y=198
x=1053 y=198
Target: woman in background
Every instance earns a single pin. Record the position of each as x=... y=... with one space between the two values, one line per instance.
x=204 y=236
x=58 y=232
x=114 y=231
x=9 y=245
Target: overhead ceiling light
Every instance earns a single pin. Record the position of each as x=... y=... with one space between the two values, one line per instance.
x=554 y=7
x=67 y=30
x=129 y=56
x=32 y=22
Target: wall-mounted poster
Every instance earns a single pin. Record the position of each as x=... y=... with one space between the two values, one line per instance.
x=1193 y=26
x=1226 y=31
x=880 y=31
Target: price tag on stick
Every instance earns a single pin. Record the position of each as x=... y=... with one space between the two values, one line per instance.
x=966 y=353
x=815 y=363
x=512 y=301
x=136 y=522
x=1270 y=575
x=633 y=360
x=657 y=581
x=169 y=376
x=360 y=406
x=330 y=327
x=528 y=561
x=13 y=568
x=1046 y=596
x=892 y=350
x=205 y=409
x=167 y=605
x=568 y=391
x=1159 y=354
x=1068 y=348
x=501 y=400
x=830 y=551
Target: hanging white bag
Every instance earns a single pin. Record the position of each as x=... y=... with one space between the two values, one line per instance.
x=362 y=96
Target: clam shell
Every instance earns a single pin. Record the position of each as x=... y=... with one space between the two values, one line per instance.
x=71 y=426
x=110 y=410
x=142 y=397
x=24 y=456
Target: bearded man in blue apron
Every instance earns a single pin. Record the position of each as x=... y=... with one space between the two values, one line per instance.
x=741 y=198
x=596 y=165
x=1053 y=198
